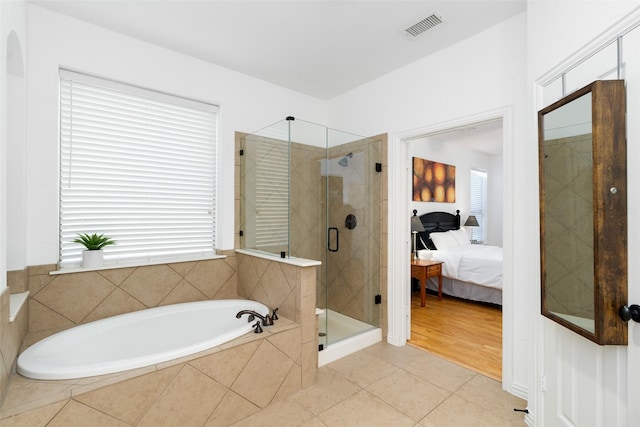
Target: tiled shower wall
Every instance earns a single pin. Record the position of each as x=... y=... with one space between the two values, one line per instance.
x=58 y=302
x=349 y=290
x=568 y=180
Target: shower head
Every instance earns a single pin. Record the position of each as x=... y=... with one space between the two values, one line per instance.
x=344 y=162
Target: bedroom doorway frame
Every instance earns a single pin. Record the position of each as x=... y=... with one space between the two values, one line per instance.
x=399 y=296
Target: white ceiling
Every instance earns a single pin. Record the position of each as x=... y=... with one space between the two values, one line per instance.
x=320 y=48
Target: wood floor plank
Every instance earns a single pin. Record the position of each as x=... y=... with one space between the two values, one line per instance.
x=463 y=332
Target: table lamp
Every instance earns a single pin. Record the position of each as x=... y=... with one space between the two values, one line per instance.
x=416 y=227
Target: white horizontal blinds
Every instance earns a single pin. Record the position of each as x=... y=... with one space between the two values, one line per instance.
x=137 y=165
x=272 y=195
x=478 y=204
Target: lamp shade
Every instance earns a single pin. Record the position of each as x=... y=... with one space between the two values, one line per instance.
x=471 y=221
x=416 y=224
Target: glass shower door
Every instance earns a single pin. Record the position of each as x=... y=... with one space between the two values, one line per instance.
x=312 y=192
x=352 y=256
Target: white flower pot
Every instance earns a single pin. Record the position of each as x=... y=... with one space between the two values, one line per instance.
x=92 y=259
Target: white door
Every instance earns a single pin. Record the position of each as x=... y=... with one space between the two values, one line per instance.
x=582 y=384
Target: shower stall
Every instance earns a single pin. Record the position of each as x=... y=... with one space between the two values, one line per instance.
x=308 y=191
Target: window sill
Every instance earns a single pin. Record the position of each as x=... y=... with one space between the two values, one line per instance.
x=139 y=263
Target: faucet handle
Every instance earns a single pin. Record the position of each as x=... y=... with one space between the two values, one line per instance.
x=268 y=321
x=274 y=316
x=258 y=329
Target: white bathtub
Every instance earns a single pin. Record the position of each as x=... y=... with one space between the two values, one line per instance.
x=137 y=339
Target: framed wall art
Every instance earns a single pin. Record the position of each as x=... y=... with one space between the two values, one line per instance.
x=433 y=181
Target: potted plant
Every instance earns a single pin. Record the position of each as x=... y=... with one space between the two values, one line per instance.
x=92 y=257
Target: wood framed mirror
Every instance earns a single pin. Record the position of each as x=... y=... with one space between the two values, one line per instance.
x=583 y=211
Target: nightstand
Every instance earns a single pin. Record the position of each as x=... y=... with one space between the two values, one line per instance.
x=422 y=269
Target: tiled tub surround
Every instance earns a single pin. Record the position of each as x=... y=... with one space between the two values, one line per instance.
x=222 y=385
x=292 y=289
x=12 y=334
x=58 y=302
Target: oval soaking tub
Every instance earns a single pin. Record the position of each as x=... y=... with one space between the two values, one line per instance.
x=137 y=339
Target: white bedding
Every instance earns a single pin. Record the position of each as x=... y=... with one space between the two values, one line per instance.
x=479 y=264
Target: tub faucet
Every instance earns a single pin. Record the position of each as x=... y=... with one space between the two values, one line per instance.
x=266 y=320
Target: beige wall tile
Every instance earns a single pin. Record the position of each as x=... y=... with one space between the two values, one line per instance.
x=42 y=318
x=38 y=282
x=232 y=408
x=5 y=367
x=117 y=275
x=44 y=269
x=17 y=281
x=200 y=276
x=307 y=278
x=291 y=384
x=129 y=400
x=287 y=342
x=256 y=372
x=74 y=296
x=151 y=284
x=118 y=302
x=225 y=366
x=183 y=292
x=183 y=268
x=190 y=399
x=309 y=363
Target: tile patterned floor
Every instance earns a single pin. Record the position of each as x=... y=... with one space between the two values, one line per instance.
x=382 y=385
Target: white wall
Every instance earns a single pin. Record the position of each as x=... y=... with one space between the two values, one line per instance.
x=495 y=201
x=475 y=77
x=13 y=38
x=246 y=104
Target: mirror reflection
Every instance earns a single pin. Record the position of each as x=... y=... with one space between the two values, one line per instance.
x=568 y=218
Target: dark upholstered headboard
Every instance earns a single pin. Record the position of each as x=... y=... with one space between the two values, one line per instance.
x=436 y=221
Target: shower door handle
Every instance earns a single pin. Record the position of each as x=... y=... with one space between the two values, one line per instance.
x=329 y=239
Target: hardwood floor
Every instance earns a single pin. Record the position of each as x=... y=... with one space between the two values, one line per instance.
x=463 y=332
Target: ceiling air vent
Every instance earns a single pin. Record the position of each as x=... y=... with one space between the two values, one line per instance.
x=423 y=25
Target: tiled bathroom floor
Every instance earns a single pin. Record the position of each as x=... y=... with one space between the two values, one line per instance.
x=382 y=385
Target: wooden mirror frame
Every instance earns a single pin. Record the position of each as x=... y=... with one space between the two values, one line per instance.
x=609 y=185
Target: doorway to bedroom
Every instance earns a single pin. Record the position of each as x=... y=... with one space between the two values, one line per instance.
x=465 y=326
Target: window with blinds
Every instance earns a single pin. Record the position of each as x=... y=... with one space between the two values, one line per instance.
x=478 y=204
x=138 y=166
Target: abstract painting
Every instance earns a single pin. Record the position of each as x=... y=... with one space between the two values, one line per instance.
x=433 y=181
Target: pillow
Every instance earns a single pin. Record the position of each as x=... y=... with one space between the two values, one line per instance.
x=425 y=254
x=461 y=236
x=443 y=240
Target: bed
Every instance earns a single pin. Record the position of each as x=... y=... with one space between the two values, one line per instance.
x=469 y=271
